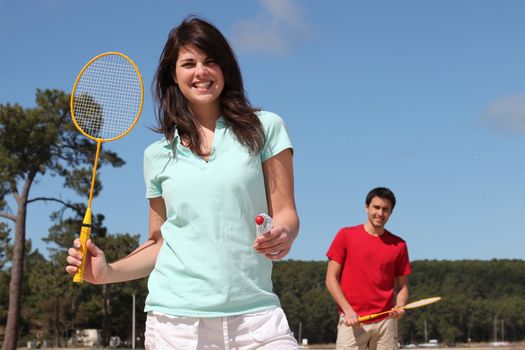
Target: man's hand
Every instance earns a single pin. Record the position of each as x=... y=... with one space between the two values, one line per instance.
x=351 y=319
x=397 y=312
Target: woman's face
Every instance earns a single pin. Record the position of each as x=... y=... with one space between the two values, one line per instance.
x=199 y=77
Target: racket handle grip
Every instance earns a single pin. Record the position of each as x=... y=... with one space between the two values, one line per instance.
x=371 y=316
x=365 y=318
x=85 y=233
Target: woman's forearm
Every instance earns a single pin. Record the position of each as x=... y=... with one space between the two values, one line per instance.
x=289 y=219
x=136 y=265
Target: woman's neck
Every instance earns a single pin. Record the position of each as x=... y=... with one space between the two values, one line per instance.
x=206 y=115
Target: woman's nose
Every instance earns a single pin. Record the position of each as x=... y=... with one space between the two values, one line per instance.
x=200 y=70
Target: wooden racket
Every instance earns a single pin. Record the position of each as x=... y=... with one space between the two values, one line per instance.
x=412 y=305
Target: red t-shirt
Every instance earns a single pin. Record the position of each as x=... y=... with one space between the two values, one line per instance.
x=369 y=267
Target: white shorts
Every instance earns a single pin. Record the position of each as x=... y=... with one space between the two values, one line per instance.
x=262 y=330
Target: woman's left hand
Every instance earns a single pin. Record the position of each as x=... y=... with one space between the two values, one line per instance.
x=274 y=244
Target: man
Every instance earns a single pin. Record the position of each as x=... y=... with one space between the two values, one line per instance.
x=366 y=263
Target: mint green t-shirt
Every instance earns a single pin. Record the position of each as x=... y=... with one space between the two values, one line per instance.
x=207 y=266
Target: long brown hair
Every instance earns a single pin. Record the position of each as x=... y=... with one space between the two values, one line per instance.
x=172 y=108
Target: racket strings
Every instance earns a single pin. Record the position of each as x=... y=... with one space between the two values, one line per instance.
x=107 y=98
x=422 y=302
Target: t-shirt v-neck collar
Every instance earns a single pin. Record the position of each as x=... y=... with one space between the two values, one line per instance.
x=220 y=127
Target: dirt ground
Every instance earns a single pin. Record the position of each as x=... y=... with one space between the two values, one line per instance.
x=515 y=346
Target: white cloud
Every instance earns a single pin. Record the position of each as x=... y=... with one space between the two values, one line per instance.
x=274 y=30
x=506 y=114
x=284 y=11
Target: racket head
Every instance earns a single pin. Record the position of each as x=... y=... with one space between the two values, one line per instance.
x=422 y=302
x=107 y=97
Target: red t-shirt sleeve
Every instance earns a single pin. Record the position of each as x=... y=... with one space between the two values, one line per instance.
x=337 y=250
x=403 y=263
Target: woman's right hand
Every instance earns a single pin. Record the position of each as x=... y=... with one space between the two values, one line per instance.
x=96 y=265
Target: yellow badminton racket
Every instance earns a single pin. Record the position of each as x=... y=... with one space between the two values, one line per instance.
x=412 y=305
x=106 y=103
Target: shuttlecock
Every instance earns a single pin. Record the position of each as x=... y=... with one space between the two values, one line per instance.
x=263 y=223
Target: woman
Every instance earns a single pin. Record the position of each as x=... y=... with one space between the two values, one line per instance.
x=220 y=163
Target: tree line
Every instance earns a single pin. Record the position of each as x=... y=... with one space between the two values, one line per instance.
x=482 y=300
x=35 y=142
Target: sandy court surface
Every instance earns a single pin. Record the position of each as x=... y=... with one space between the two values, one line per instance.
x=486 y=347
x=518 y=346
x=323 y=347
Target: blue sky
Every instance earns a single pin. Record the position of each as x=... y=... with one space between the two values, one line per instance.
x=425 y=97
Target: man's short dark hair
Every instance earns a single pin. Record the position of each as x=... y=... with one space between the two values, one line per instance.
x=381 y=192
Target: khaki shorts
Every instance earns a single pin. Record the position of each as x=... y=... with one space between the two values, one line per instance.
x=380 y=335
x=266 y=330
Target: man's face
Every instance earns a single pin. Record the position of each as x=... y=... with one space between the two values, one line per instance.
x=379 y=210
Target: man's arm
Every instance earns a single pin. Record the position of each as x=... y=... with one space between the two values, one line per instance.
x=333 y=277
x=401 y=298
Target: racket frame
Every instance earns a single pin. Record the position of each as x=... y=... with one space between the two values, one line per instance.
x=412 y=305
x=79 y=76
